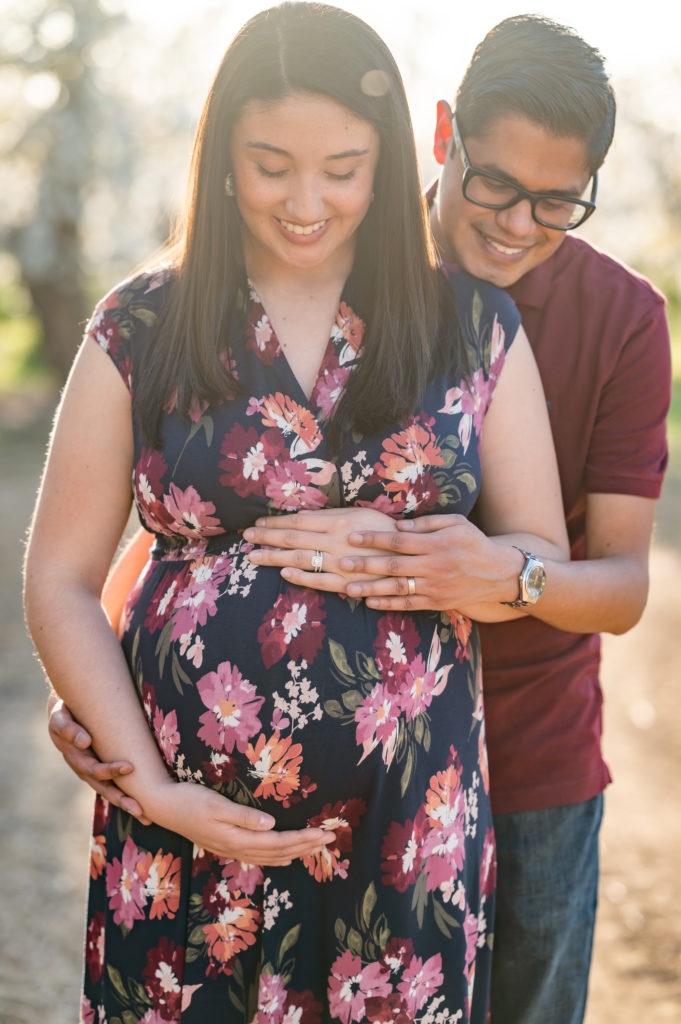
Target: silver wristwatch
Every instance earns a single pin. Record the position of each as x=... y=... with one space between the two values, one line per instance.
x=532 y=581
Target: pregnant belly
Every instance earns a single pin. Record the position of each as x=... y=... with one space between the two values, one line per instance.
x=279 y=695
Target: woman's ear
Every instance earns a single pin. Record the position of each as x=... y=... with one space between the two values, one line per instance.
x=443 y=131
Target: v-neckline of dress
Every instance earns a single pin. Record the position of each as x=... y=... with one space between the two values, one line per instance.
x=280 y=351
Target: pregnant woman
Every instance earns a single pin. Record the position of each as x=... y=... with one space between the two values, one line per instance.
x=314 y=770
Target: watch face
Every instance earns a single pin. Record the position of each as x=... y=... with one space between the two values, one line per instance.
x=536 y=581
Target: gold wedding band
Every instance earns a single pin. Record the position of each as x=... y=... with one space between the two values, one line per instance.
x=318 y=561
x=411 y=586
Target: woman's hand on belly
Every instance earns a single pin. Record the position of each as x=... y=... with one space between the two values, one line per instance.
x=293 y=540
x=227 y=829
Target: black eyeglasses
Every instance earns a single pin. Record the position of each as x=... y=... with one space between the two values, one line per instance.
x=495 y=193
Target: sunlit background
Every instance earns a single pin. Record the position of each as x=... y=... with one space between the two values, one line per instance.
x=98 y=100
x=98 y=103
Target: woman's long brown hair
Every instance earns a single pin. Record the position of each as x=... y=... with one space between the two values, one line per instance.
x=412 y=325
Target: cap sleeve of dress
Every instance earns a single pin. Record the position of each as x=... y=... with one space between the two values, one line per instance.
x=122 y=321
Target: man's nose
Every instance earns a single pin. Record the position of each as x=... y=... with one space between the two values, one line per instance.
x=517 y=220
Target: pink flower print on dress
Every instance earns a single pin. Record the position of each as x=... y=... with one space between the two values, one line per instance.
x=420 y=981
x=377 y=719
x=197 y=600
x=290 y=486
x=166 y=733
x=271 y=999
x=125 y=886
x=351 y=984
x=488 y=865
x=244 y=877
x=470 y=400
x=190 y=516
x=443 y=847
x=233 y=703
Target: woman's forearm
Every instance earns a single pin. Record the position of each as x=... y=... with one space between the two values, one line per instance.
x=86 y=666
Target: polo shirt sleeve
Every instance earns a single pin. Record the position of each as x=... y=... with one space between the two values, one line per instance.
x=628 y=452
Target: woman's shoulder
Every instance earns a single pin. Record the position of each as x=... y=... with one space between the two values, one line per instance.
x=136 y=298
x=123 y=319
x=481 y=303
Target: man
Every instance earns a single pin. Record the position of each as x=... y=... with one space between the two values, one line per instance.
x=534 y=119
x=533 y=122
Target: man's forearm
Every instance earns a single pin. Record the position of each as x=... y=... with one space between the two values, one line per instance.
x=599 y=595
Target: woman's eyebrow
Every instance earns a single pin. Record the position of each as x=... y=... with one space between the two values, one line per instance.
x=269 y=148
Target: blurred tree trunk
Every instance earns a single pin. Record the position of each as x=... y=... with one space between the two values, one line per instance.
x=61 y=314
x=57 y=147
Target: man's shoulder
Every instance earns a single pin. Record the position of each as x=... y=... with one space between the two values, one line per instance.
x=579 y=261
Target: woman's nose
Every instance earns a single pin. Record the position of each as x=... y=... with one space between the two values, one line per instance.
x=305 y=204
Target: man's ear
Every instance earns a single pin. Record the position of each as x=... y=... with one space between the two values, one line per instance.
x=443 y=131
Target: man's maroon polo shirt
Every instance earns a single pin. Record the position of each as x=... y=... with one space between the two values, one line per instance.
x=600 y=337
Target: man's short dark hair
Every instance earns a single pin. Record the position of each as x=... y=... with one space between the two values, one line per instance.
x=532 y=66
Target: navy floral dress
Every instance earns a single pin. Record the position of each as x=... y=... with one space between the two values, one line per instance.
x=308 y=705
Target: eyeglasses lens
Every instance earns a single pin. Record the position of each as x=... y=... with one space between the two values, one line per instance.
x=497 y=194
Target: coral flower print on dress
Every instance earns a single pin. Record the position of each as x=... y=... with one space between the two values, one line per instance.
x=405 y=466
x=339 y=818
x=275 y=762
x=292 y=419
x=233 y=930
x=161 y=875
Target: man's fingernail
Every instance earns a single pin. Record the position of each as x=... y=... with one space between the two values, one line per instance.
x=126 y=769
x=81 y=738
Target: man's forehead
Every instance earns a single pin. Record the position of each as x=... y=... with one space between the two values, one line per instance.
x=530 y=155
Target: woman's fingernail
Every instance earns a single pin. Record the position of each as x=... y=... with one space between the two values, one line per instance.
x=81 y=739
x=354 y=589
x=126 y=769
x=356 y=538
x=287 y=574
x=405 y=524
x=255 y=556
x=261 y=522
x=249 y=533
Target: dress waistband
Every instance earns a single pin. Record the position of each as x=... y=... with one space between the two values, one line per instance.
x=173 y=548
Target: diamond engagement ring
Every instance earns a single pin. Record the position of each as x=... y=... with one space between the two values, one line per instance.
x=411 y=586
x=318 y=561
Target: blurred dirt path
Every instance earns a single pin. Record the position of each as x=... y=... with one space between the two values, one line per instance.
x=45 y=811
